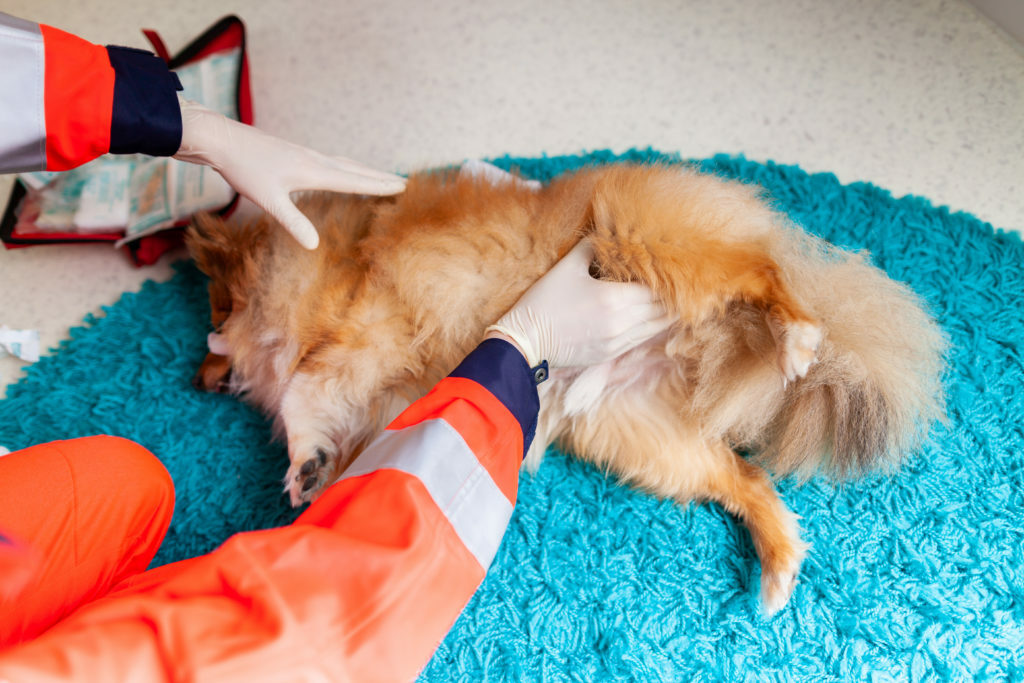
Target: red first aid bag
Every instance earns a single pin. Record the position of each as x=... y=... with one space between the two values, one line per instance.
x=140 y=203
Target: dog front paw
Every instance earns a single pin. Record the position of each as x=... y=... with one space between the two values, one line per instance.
x=214 y=375
x=799 y=349
x=307 y=478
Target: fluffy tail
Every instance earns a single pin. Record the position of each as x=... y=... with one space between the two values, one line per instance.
x=876 y=388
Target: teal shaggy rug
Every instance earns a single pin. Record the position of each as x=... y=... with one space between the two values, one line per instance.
x=917 y=576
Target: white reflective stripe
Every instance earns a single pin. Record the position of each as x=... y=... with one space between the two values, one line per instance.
x=436 y=454
x=22 y=106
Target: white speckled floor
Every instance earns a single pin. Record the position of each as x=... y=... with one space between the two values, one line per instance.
x=918 y=96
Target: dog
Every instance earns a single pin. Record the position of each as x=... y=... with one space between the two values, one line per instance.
x=802 y=356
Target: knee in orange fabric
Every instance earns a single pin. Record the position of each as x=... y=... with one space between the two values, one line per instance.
x=90 y=512
x=109 y=467
x=100 y=462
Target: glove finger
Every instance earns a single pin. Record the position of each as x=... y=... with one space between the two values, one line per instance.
x=319 y=172
x=637 y=334
x=578 y=258
x=353 y=166
x=627 y=294
x=294 y=221
x=652 y=326
x=351 y=183
x=622 y=320
x=641 y=314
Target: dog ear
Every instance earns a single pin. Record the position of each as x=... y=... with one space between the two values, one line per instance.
x=585 y=226
x=208 y=242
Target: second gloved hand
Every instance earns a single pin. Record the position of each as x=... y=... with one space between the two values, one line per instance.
x=266 y=169
x=569 y=318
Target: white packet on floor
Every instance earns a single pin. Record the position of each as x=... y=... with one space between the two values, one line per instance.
x=23 y=344
x=481 y=169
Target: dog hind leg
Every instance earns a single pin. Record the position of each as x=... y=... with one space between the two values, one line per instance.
x=665 y=458
x=746 y=273
x=745 y=490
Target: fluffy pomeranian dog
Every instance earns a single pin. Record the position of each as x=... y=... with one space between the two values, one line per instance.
x=803 y=356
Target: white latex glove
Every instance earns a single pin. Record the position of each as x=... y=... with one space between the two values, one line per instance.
x=569 y=318
x=266 y=169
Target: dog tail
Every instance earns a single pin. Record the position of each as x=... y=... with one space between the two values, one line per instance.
x=876 y=387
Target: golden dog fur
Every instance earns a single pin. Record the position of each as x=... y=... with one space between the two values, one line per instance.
x=804 y=355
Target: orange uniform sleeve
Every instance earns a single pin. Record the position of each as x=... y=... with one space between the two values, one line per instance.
x=362 y=587
x=72 y=101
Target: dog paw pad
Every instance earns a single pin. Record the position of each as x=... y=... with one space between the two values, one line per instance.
x=307 y=477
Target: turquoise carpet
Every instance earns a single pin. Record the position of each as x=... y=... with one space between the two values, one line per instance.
x=919 y=576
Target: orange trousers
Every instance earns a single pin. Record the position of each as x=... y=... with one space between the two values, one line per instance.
x=80 y=516
x=362 y=587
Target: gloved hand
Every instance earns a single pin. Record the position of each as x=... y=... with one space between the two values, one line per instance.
x=569 y=318
x=266 y=169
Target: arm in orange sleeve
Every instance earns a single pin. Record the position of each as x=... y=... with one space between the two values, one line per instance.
x=17 y=564
x=65 y=101
x=362 y=587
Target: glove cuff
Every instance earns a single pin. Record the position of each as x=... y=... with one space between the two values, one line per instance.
x=522 y=341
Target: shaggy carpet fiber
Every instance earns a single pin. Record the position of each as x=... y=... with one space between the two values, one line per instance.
x=918 y=575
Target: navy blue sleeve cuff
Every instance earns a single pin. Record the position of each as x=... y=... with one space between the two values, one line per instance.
x=146 y=117
x=503 y=371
